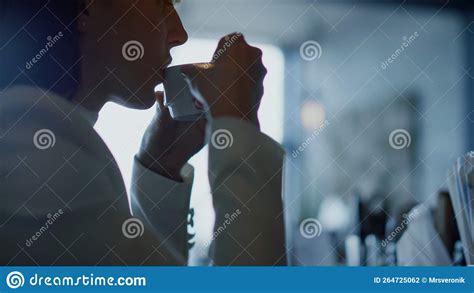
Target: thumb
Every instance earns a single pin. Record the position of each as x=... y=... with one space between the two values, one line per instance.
x=189 y=71
x=160 y=97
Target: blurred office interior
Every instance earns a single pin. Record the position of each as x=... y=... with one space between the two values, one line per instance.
x=347 y=81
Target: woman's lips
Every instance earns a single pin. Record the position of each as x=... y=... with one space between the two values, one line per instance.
x=161 y=71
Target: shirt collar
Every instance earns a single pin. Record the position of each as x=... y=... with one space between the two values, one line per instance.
x=90 y=116
x=65 y=105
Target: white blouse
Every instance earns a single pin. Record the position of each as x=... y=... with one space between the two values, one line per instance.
x=63 y=200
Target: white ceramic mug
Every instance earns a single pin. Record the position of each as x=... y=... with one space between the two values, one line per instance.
x=178 y=98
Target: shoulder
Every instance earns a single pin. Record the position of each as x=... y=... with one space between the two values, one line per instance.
x=50 y=153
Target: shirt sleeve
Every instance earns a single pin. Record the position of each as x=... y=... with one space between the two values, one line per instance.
x=245 y=173
x=163 y=205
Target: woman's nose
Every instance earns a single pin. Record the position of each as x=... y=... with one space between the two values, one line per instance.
x=177 y=35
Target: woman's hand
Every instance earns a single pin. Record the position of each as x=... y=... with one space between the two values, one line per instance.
x=167 y=145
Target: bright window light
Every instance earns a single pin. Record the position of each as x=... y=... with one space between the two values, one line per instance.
x=122 y=130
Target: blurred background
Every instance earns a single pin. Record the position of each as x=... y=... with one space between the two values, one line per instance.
x=372 y=100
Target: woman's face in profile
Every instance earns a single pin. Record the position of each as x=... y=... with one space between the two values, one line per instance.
x=126 y=46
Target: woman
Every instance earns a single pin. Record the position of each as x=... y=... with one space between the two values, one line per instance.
x=63 y=197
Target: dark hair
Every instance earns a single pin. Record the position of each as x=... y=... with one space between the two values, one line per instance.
x=39 y=44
